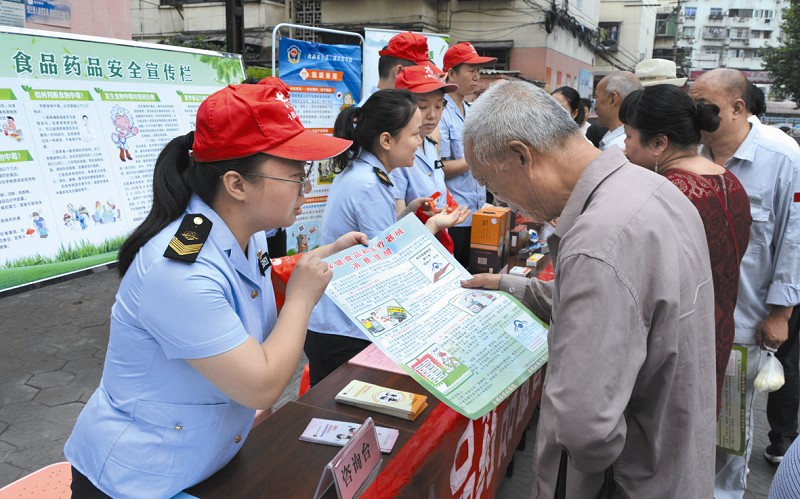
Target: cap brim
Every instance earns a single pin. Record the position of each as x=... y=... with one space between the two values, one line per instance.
x=480 y=60
x=678 y=82
x=425 y=88
x=310 y=146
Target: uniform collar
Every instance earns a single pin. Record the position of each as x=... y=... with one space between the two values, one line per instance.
x=224 y=239
x=598 y=170
x=422 y=153
x=746 y=150
x=451 y=104
x=370 y=159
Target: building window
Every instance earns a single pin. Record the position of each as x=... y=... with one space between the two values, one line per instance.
x=740 y=34
x=740 y=13
x=308 y=13
x=715 y=13
x=501 y=50
x=767 y=35
x=609 y=35
x=665 y=25
x=711 y=50
x=690 y=11
x=688 y=32
x=713 y=33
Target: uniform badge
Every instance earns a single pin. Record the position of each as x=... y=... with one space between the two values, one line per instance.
x=438 y=164
x=188 y=241
x=263 y=262
x=383 y=177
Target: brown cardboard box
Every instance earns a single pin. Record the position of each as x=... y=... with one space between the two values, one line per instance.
x=490 y=241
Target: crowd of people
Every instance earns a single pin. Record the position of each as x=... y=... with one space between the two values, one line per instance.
x=678 y=238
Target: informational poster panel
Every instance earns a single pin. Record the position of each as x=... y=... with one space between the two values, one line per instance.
x=324 y=80
x=83 y=121
x=376 y=39
x=12 y=13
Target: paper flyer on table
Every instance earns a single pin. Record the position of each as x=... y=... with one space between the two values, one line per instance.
x=470 y=348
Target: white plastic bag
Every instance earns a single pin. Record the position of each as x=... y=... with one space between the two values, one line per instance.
x=770 y=376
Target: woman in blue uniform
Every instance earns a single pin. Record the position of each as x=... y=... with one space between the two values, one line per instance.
x=385 y=134
x=196 y=344
x=426 y=177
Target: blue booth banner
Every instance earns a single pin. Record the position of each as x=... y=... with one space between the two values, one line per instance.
x=324 y=80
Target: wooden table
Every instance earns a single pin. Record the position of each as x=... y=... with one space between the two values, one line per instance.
x=275 y=463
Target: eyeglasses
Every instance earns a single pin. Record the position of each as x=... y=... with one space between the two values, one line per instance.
x=308 y=168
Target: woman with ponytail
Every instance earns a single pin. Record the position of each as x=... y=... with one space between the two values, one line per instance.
x=663 y=127
x=386 y=134
x=196 y=344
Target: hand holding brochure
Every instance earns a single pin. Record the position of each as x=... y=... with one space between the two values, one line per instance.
x=330 y=432
x=471 y=348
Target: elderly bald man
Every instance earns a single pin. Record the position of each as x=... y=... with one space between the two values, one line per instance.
x=769 y=283
x=611 y=91
x=629 y=398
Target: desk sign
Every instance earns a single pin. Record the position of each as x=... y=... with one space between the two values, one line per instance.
x=353 y=465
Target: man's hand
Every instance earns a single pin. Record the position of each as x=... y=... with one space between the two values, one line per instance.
x=483 y=281
x=774 y=329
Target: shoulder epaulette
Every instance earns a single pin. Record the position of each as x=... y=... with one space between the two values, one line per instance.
x=186 y=244
x=382 y=176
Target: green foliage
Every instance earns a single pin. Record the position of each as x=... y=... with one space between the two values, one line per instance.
x=257 y=72
x=783 y=61
x=82 y=249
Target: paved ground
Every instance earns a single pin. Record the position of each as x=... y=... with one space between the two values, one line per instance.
x=53 y=343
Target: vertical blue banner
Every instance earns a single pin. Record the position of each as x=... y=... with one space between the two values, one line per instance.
x=324 y=80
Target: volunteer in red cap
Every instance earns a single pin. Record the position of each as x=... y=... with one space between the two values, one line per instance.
x=462 y=64
x=385 y=134
x=196 y=344
x=426 y=177
x=403 y=50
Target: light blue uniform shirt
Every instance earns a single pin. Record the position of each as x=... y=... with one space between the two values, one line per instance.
x=155 y=425
x=770 y=270
x=421 y=179
x=358 y=201
x=464 y=188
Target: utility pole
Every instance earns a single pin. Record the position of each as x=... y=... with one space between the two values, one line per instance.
x=676 y=12
x=234 y=26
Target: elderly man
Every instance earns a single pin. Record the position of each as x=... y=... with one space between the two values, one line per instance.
x=611 y=91
x=629 y=398
x=769 y=284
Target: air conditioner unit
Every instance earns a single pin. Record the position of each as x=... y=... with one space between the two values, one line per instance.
x=767 y=20
x=746 y=41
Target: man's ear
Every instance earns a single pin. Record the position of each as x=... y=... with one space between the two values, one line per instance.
x=521 y=154
x=396 y=71
x=234 y=184
x=739 y=107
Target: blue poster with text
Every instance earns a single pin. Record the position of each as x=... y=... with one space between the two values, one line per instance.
x=324 y=80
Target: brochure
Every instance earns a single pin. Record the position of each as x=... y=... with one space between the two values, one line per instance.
x=470 y=348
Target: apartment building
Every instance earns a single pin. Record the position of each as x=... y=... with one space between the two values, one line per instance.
x=708 y=34
x=627 y=29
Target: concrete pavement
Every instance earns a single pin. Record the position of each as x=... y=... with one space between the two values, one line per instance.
x=54 y=341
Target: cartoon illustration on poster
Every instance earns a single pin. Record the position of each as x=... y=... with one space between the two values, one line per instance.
x=383 y=318
x=432 y=263
x=440 y=368
x=10 y=129
x=123 y=130
x=474 y=301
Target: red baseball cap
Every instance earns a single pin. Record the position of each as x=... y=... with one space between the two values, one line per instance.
x=421 y=80
x=434 y=67
x=409 y=46
x=461 y=53
x=241 y=120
